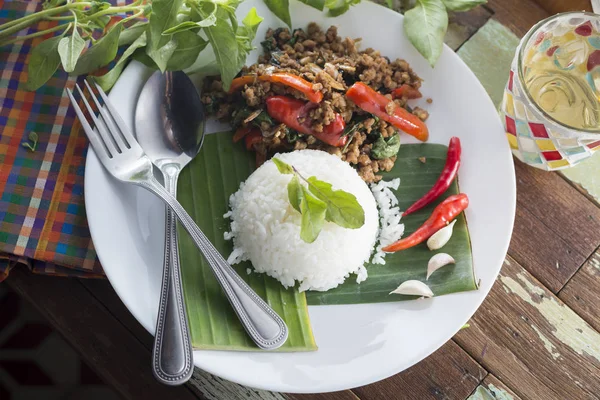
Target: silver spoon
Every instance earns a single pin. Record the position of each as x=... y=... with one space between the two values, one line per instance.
x=169 y=123
x=170 y=129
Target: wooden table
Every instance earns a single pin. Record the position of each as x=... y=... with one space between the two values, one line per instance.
x=536 y=336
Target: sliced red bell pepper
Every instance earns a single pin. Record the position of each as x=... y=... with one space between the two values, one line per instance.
x=240 y=133
x=289 y=110
x=408 y=91
x=287 y=79
x=253 y=137
x=242 y=81
x=332 y=133
x=375 y=103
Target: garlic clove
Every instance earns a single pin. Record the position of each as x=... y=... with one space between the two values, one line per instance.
x=441 y=237
x=413 y=288
x=438 y=261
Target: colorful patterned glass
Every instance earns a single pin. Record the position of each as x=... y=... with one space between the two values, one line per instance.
x=551 y=104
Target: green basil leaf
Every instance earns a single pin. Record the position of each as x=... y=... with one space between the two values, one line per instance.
x=189 y=46
x=130 y=34
x=284 y=168
x=294 y=189
x=390 y=4
x=281 y=8
x=182 y=27
x=339 y=7
x=342 y=207
x=245 y=35
x=425 y=26
x=164 y=16
x=43 y=63
x=211 y=19
x=336 y=11
x=141 y=56
x=462 y=5
x=385 y=148
x=318 y=4
x=313 y=216
x=107 y=80
x=224 y=45
x=100 y=54
x=69 y=49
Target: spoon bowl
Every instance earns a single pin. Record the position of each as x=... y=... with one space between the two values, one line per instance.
x=170 y=119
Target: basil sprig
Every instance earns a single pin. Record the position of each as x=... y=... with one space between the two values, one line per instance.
x=318 y=202
x=172 y=34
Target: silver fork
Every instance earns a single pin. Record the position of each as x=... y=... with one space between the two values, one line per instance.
x=124 y=159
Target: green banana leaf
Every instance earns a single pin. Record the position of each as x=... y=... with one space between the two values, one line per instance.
x=416 y=178
x=204 y=190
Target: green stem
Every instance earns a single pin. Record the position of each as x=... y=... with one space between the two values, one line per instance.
x=65 y=18
x=113 y=10
x=134 y=16
x=34 y=35
x=39 y=15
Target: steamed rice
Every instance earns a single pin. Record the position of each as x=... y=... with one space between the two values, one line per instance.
x=390 y=229
x=266 y=229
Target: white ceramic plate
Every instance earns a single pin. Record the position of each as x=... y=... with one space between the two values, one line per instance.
x=358 y=344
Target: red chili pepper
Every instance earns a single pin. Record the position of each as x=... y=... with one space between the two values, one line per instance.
x=240 y=133
x=253 y=137
x=375 y=103
x=446 y=177
x=408 y=91
x=287 y=79
x=289 y=110
x=445 y=212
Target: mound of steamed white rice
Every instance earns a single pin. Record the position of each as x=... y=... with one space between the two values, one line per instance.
x=266 y=229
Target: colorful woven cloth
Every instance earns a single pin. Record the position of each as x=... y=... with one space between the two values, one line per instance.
x=42 y=216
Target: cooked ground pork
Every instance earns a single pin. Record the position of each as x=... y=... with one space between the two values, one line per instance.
x=331 y=64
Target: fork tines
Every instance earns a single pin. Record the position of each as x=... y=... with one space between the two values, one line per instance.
x=112 y=135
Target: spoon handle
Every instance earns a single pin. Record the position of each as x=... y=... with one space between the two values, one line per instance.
x=172 y=354
x=262 y=324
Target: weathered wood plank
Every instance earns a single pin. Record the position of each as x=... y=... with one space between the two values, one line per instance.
x=344 y=395
x=449 y=373
x=556 y=227
x=559 y=206
x=541 y=251
x=532 y=342
x=462 y=25
x=493 y=389
x=118 y=357
x=582 y=292
x=203 y=384
x=492 y=70
x=558 y=6
x=517 y=15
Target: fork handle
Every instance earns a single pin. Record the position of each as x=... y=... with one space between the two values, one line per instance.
x=262 y=324
x=172 y=354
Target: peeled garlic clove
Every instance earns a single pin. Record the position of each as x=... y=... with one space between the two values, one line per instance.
x=441 y=237
x=438 y=261
x=413 y=288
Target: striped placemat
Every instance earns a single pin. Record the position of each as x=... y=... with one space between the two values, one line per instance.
x=42 y=217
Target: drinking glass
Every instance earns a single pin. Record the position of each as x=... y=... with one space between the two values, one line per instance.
x=551 y=104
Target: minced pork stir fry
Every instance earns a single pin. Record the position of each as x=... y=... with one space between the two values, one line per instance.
x=313 y=89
